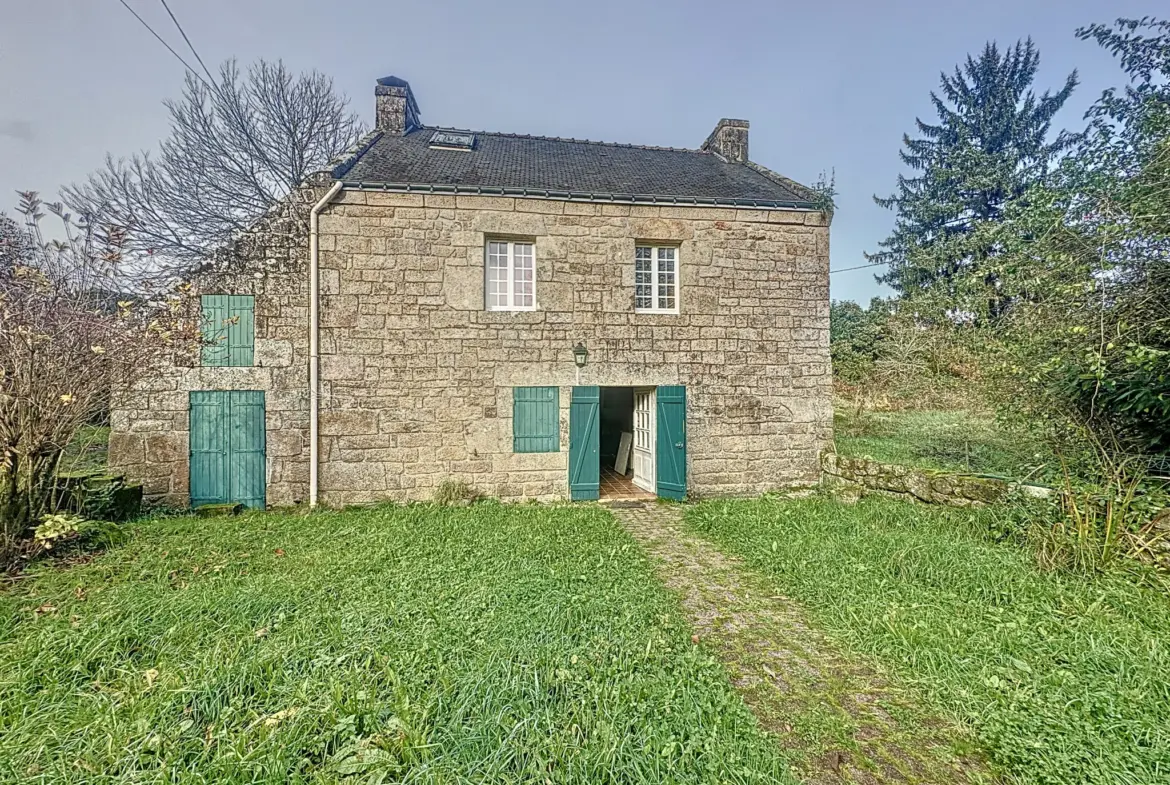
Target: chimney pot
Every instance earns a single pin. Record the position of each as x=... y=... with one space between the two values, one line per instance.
x=395 y=110
x=729 y=139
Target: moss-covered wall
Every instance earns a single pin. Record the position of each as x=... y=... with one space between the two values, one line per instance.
x=932 y=487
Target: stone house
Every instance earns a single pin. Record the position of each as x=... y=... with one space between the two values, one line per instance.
x=536 y=317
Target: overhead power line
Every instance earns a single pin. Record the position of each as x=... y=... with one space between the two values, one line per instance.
x=858 y=267
x=190 y=45
x=162 y=41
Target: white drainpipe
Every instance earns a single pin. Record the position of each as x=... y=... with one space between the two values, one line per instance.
x=314 y=344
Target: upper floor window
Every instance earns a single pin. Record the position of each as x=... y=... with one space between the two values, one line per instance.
x=228 y=329
x=511 y=276
x=656 y=279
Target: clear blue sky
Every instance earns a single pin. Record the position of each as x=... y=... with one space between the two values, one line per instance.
x=826 y=85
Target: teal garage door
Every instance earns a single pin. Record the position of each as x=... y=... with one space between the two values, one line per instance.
x=227 y=447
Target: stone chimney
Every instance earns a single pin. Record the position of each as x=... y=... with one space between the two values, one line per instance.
x=729 y=139
x=395 y=111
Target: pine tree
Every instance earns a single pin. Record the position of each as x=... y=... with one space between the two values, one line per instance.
x=989 y=145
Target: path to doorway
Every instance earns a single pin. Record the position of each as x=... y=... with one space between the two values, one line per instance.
x=841 y=721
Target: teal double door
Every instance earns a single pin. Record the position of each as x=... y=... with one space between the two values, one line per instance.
x=228 y=447
x=670 y=450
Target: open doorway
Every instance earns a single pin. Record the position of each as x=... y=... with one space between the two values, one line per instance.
x=626 y=420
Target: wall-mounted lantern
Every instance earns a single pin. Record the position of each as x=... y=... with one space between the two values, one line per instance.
x=580 y=355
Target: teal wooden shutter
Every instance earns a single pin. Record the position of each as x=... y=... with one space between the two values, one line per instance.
x=209 y=447
x=215 y=314
x=246 y=464
x=228 y=329
x=671 y=450
x=584 y=435
x=241 y=330
x=536 y=419
x=227 y=447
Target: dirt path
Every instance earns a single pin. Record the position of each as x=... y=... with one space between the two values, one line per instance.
x=840 y=721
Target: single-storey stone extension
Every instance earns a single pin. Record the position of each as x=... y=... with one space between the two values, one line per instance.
x=535 y=317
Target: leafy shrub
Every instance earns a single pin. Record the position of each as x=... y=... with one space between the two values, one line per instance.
x=55 y=529
x=69 y=533
x=1099 y=523
x=1085 y=528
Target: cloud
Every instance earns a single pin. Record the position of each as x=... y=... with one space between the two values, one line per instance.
x=20 y=130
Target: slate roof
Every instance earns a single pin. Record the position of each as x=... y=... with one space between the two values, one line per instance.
x=566 y=168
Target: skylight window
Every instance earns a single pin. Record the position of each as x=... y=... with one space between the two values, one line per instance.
x=452 y=140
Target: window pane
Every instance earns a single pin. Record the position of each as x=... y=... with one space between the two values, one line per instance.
x=666 y=278
x=497 y=275
x=666 y=290
x=643 y=278
x=497 y=287
x=523 y=275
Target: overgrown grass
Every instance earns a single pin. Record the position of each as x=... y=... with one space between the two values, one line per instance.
x=418 y=644
x=87 y=451
x=1062 y=678
x=956 y=440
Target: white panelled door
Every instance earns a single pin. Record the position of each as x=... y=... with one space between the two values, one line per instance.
x=644 y=427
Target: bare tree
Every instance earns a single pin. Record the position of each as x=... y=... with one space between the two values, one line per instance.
x=77 y=322
x=235 y=150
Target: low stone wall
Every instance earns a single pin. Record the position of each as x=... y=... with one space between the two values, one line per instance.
x=924 y=485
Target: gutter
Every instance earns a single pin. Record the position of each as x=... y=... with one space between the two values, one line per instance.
x=314 y=344
x=580 y=196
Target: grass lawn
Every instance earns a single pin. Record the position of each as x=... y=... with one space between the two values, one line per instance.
x=406 y=644
x=949 y=440
x=1063 y=679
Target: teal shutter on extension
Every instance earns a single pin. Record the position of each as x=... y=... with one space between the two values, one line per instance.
x=536 y=419
x=228 y=329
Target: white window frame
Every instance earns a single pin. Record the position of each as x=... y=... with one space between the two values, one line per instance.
x=511 y=275
x=655 y=289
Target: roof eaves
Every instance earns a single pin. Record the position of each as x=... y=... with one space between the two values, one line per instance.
x=579 y=196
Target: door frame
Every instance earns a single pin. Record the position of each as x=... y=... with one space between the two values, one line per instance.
x=651 y=485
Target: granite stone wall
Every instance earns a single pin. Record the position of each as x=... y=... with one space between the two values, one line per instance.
x=862 y=475
x=417 y=377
